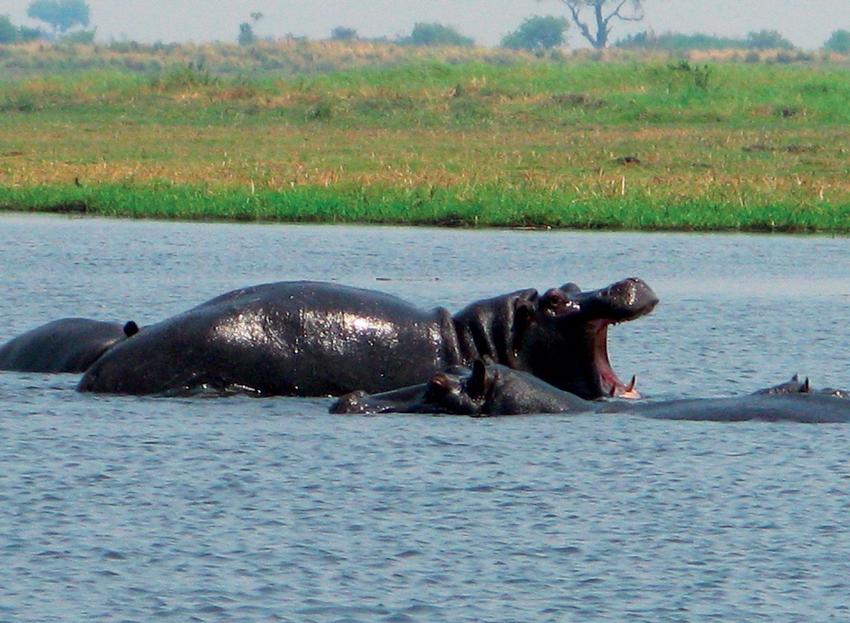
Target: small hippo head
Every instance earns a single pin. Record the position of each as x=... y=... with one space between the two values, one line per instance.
x=455 y=391
x=450 y=391
x=791 y=386
x=795 y=386
x=486 y=389
x=356 y=402
x=494 y=389
x=462 y=394
x=562 y=336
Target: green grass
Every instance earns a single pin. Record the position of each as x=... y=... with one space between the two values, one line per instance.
x=634 y=143
x=465 y=206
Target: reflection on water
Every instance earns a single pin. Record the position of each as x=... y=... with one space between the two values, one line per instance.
x=115 y=508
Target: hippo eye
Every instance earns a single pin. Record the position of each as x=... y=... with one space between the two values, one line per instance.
x=440 y=381
x=555 y=303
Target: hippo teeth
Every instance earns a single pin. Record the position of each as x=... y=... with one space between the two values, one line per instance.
x=627 y=392
x=608 y=379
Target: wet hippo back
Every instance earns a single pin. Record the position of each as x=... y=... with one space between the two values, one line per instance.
x=302 y=338
x=65 y=345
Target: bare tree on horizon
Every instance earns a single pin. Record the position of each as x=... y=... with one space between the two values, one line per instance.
x=604 y=11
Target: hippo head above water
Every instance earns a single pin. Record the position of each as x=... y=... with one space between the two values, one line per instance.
x=566 y=319
x=483 y=390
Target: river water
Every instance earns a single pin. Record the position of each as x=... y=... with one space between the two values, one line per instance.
x=242 y=509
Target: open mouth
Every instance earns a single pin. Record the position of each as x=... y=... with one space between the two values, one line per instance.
x=623 y=301
x=608 y=380
x=584 y=318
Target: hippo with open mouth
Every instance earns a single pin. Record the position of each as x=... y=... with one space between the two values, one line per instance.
x=312 y=338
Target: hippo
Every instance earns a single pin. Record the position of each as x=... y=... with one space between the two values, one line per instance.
x=484 y=390
x=492 y=389
x=65 y=345
x=816 y=407
x=796 y=386
x=308 y=338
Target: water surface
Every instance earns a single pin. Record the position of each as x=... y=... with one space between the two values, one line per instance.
x=121 y=508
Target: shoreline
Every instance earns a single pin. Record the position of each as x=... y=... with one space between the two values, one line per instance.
x=485 y=207
x=619 y=146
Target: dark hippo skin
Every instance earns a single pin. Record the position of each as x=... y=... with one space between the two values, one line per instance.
x=806 y=407
x=796 y=386
x=485 y=390
x=313 y=339
x=490 y=390
x=65 y=345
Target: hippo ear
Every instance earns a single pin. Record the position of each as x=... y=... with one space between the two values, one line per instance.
x=130 y=329
x=555 y=303
x=476 y=386
x=524 y=315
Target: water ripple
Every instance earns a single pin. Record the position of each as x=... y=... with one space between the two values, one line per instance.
x=116 y=508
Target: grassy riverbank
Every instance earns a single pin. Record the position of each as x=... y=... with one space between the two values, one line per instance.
x=452 y=206
x=504 y=139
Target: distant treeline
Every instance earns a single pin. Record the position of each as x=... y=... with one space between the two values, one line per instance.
x=763 y=40
x=838 y=42
x=9 y=33
x=536 y=34
x=294 y=57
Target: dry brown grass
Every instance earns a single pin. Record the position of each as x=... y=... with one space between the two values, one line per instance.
x=676 y=163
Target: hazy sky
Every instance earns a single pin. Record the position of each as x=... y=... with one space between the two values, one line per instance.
x=807 y=23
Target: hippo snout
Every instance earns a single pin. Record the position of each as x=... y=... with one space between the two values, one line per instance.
x=632 y=292
x=624 y=300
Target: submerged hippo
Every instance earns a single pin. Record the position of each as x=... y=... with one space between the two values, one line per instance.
x=65 y=345
x=490 y=390
x=311 y=338
x=484 y=390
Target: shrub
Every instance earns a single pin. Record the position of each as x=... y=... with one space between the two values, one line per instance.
x=436 y=34
x=768 y=40
x=85 y=37
x=341 y=33
x=25 y=33
x=679 y=42
x=537 y=33
x=839 y=41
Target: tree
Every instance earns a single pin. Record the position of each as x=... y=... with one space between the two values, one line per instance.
x=604 y=12
x=768 y=40
x=839 y=41
x=537 y=33
x=8 y=31
x=246 y=30
x=246 y=34
x=436 y=34
x=61 y=15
